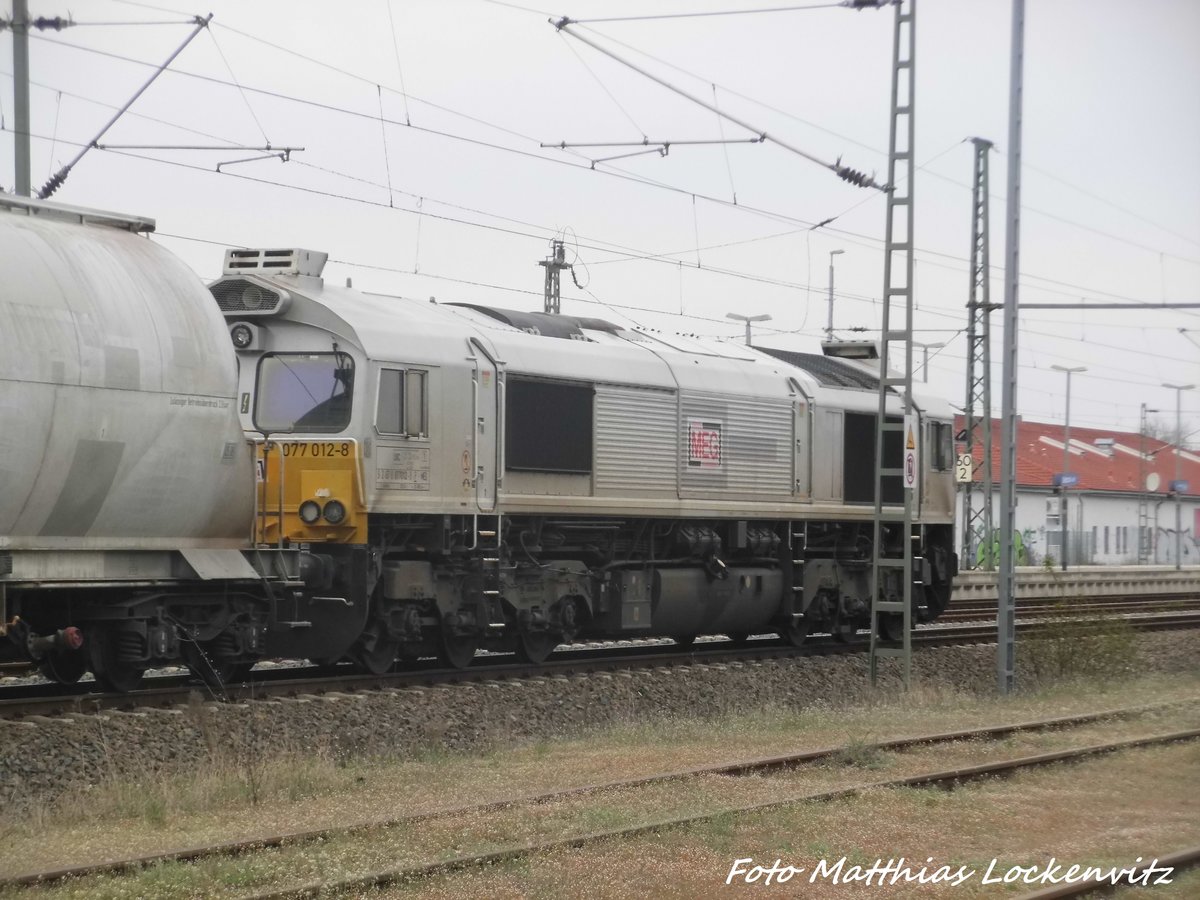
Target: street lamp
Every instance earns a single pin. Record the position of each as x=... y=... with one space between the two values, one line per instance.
x=829 y=324
x=925 y=360
x=748 y=319
x=1070 y=370
x=1177 y=485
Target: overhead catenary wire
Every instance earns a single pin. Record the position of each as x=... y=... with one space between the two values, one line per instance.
x=641 y=256
x=847 y=174
x=611 y=96
x=60 y=176
x=711 y=13
x=795 y=118
x=241 y=92
x=846 y=235
x=399 y=67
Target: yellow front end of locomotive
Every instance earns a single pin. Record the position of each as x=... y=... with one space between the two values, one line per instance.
x=322 y=493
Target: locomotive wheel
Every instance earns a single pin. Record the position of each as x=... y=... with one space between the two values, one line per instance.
x=63 y=668
x=739 y=638
x=456 y=651
x=112 y=673
x=534 y=647
x=684 y=640
x=374 y=653
x=795 y=633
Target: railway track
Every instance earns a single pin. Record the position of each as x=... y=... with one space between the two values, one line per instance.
x=741 y=768
x=1092 y=887
x=52 y=699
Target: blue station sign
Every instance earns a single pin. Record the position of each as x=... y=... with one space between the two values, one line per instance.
x=1065 y=479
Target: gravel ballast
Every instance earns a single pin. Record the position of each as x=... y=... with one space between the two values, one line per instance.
x=44 y=759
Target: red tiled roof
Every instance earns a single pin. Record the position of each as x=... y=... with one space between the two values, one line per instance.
x=1114 y=468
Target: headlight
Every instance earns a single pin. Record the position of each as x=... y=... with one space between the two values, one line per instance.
x=242 y=336
x=310 y=511
x=253 y=297
x=335 y=512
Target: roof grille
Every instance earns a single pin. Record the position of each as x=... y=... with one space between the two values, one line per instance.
x=237 y=296
x=278 y=262
x=830 y=372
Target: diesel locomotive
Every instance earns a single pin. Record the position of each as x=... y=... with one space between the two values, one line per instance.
x=278 y=466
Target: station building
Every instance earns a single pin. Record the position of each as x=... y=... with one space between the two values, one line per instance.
x=1120 y=507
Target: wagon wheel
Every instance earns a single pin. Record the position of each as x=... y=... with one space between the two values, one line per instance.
x=535 y=646
x=63 y=667
x=684 y=640
x=454 y=650
x=795 y=632
x=738 y=638
x=112 y=673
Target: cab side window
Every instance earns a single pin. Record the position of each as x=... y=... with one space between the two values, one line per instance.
x=403 y=403
x=941 y=446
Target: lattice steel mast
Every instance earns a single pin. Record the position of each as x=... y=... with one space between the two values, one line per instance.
x=977 y=496
x=897 y=328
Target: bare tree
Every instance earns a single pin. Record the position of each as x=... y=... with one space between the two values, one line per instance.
x=1163 y=429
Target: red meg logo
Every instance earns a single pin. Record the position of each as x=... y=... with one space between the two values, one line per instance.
x=704 y=444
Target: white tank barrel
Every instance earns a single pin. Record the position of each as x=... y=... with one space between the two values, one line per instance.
x=118 y=425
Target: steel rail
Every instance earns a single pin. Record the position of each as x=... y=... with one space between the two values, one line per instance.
x=738 y=768
x=947 y=778
x=45 y=700
x=1180 y=859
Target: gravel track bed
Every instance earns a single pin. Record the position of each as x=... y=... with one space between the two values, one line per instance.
x=44 y=759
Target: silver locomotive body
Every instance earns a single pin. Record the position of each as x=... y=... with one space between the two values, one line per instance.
x=515 y=480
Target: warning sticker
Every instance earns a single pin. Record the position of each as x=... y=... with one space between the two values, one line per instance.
x=911 y=451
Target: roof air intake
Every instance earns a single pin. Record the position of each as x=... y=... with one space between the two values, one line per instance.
x=275 y=262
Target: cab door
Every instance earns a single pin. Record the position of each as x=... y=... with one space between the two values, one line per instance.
x=487 y=425
x=802 y=413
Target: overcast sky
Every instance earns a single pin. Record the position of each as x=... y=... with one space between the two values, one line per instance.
x=447 y=103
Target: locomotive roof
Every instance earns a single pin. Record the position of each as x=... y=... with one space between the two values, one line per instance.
x=572 y=348
x=829 y=372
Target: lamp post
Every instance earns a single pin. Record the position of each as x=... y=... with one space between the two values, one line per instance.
x=829 y=323
x=1070 y=370
x=748 y=319
x=925 y=348
x=1175 y=485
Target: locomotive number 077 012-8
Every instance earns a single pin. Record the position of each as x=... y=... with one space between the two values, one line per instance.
x=315 y=449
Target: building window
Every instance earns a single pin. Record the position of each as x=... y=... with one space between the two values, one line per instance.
x=1106 y=540
x=402 y=403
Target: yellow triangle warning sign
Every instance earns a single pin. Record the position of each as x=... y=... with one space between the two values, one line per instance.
x=912 y=445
